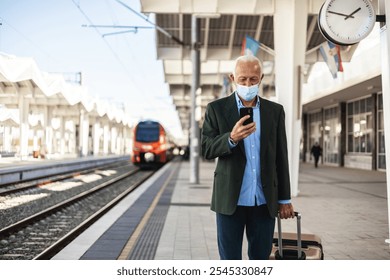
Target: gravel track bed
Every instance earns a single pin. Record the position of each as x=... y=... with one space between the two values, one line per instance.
x=32 y=240
x=51 y=197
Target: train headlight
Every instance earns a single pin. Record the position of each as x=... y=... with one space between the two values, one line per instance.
x=149 y=157
x=147 y=147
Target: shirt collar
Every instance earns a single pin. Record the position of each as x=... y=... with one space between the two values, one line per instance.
x=239 y=102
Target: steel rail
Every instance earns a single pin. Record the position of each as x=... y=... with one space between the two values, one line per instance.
x=51 y=179
x=37 y=216
x=53 y=249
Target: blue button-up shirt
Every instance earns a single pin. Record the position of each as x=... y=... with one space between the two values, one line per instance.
x=251 y=189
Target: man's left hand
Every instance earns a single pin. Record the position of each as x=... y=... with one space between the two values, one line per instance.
x=286 y=211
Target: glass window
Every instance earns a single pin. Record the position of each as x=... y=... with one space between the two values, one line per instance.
x=381 y=144
x=369 y=104
x=363 y=143
x=380 y=120
x=359 y=126
x=369 y=121
x=350 y=109
x=356 y=144
x=363 y=106
x=380 y=101
x=368 y=143
x=382 y=162
x=331 y=136
x=363 y=122
x=315 y=128
x=350 y=124
x=380 y=135
x=148 y=132
x=350 y=143
x=356 y=107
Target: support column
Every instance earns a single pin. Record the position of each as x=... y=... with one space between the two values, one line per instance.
x=84 y=130
x=24 y=127
x=73 y=148
x=290 y=45
x=106 y=138
x=62 y=136
x=7 y=140
x=305 y=138
x=96 y=138
x=385 y=56
x=194 y=142
x=48 y=135
x=113 y=139
x=343 y=132
x=119 y=147
x=35 y=147
x=125 y=140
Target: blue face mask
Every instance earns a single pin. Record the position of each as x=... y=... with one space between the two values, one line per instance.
x=247 y=93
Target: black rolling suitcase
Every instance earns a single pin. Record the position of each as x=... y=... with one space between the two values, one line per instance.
x=296 y=246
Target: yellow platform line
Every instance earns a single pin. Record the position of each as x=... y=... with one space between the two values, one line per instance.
x=135 y=236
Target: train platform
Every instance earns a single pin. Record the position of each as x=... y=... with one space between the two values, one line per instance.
x=168 y=218
x=16 y=170
x=12 y=161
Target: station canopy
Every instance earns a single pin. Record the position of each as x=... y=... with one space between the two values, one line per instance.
x=224 y=25
x=20 y=77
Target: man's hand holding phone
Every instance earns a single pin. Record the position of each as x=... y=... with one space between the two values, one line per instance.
x=245 y=126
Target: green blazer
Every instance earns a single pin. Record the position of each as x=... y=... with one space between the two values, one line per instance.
x=220 y=118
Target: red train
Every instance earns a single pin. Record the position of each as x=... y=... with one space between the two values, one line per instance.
x=152 y=145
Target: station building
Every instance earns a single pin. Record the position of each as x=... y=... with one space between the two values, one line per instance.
x=345 y=114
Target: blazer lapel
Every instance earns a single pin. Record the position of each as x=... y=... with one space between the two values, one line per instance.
x=264 y=113
x=231 y=111
x=232 y=116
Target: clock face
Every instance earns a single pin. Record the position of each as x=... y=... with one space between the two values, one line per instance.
x=346 y=22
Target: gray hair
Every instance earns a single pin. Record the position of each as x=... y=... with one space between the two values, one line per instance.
x=247 y=58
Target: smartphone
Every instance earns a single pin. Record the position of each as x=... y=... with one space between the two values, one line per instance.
x=247 y=111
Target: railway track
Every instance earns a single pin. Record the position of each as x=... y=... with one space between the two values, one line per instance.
x=6 y=189
x=19 y=202
x=42 y=234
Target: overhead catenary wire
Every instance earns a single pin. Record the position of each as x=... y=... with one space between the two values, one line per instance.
x=139 y=73
x=106 y=42
x=148 y=99
x=133 y=29
x=162 y=30
x=97 y=30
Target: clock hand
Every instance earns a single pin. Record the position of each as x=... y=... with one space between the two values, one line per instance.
x=354 y=12
x=340 y=14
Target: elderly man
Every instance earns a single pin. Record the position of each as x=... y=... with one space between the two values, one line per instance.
x=251 y=179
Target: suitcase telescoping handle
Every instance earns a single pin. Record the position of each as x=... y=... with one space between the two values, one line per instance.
x=280 y=242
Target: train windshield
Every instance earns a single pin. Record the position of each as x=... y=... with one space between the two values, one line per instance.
x=147 y=132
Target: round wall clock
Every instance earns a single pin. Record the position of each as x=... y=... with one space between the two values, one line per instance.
x=346 y=22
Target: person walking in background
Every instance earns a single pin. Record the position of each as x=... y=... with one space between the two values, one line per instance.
x=316 y=151
x=251 y=179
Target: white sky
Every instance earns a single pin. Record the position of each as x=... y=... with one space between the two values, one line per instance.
x=122 y=68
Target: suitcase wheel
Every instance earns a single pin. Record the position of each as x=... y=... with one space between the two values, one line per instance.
x=289 y=254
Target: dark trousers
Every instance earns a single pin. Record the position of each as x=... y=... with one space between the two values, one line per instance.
x=316 y=159
x=259 y=228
